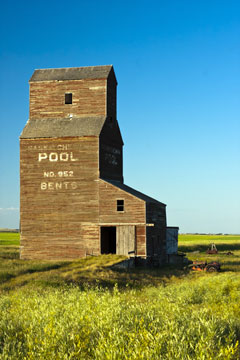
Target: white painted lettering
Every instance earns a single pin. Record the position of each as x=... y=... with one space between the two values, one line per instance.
x=66 y=184
x=71 y=157
x=43 y=186
x=58 y=185
x=74 y=185
x=65 y=173
x=51 y=186
x=42 y=156
x=64 y=156
x=53 y=156
x=48 y=174
x=62 y=147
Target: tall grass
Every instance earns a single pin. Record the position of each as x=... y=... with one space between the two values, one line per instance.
x=197 y=319
x=183 y=316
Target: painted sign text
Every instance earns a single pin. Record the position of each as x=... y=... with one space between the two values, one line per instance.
x=54 y=156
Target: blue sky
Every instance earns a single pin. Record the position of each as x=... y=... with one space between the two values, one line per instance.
x=178 y=69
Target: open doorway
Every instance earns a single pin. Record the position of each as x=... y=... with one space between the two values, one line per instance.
x=108 y=239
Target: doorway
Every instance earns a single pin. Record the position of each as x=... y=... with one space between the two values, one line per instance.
x=108 y=239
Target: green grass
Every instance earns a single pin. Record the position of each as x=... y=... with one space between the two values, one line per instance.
x=207 y=237
x=196 y=246
x=88 y=309
x=7 y=238
x=193 y=319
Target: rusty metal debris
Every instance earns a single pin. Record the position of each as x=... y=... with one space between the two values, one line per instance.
x=213 y=266
x=212 y=249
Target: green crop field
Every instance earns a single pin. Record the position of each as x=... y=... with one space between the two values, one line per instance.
x=88 y=309
x=8 y=238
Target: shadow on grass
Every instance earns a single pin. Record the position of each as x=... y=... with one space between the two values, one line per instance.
x=42 y=268
x=90 y=272
x=9 y=252
x=108 y=278
x=5 y=276
x=36 y=268
x=231 y=265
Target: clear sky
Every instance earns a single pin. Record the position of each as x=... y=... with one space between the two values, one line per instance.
x=178 y=69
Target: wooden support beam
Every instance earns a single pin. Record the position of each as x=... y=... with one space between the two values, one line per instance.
x=124 y=224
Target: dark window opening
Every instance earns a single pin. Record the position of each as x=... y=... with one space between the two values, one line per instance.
x=68 y=98
x=120 y=205
x=108 y=240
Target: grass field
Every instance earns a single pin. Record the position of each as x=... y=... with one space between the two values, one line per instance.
x=87 y=309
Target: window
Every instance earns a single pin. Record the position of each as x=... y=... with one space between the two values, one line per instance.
x=68 y=98
x=120 y=205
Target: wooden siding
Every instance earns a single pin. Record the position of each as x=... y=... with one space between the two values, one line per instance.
x=57 y=196
x=110 y=152
x=141 y=240
x=126 y=240
x=134 y=211
x=90 y=239
x=64 y=200
x=112 y=95
x=172 y=240
x=47 y=98
x=156 y=235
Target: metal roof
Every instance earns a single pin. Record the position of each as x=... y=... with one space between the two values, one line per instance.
x=74 y=73
x=46 y=128
x=133 y=192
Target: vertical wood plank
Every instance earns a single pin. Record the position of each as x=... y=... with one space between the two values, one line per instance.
x=125 y=240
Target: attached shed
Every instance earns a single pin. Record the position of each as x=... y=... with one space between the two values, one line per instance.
x=73 y=199
x=172 y=240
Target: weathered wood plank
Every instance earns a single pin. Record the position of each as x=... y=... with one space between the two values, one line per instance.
x=64 y=200
x=47 y=98
x=126 y=240
x=57 y=194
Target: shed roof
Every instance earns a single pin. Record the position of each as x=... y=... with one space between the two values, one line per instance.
x=134 y=192
x=74 y=73
x=45 y=128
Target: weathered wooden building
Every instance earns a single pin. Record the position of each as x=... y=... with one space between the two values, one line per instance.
x=73 y=198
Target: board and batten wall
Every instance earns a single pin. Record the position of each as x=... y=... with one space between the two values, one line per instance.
x=59 y=193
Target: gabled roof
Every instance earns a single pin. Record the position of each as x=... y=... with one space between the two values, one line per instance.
x=46 y=128
x=133 y=192
x=75 y=73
